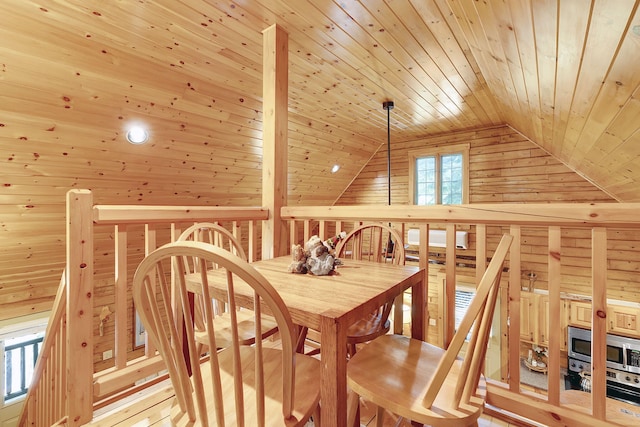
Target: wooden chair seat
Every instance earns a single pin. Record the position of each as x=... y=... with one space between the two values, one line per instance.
x=306 y=397
x=368 y=328
x=424 y=383
x=246 y=328
x=403 y=367
x=219 y=236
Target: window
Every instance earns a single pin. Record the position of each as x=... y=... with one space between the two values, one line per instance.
x=20 y=343
x=20 y=356
x=463 y=300
x=464 y=296
x=439 y=177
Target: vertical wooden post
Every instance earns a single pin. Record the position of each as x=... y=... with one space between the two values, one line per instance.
x=423 y=253
x=293 y=232
x=121 y=331
x=150 y=244
x=79 y=271
x=275 y=138
x=253 y=238
x=450 y=285
x=599 y=321
x=555 y=281
x=481 y=251
x=514 y=309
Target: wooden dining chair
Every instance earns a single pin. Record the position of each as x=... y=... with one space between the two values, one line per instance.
x=239 y=385
x=369 y=242
x=425 y=383
x=217 y=235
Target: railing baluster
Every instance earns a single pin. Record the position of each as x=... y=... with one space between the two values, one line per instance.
x=121 y=290
x=9 y=373
x=599 y=321
x=23 y=369
x=450 y=284
x=554 y=322
x=514 y=309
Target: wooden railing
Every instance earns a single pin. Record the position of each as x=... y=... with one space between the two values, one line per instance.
x=486 y=223
x=46 y=401
x=66 y=370
x=70 y=359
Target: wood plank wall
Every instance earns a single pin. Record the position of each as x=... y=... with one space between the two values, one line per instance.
x=73 y=77
x=505 y=167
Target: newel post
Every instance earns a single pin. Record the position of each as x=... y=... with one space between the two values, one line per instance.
x=79 y=339
x=275 y=89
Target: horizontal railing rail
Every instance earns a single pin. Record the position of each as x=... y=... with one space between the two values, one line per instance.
x=136 y=214
x=558 y=214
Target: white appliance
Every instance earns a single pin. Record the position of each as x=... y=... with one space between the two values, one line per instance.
x=437 y=238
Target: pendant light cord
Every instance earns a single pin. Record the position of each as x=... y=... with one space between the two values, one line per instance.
x=389 y=155
x=388 y=105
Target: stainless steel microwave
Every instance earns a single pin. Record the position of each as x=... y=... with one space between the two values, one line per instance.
x=623 y=353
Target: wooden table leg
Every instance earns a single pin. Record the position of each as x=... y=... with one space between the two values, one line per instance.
x=419 y=314
x=397 y=314
x=419 y=309
x=333 y=378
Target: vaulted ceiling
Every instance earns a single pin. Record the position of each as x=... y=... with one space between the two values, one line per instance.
x=565 y=73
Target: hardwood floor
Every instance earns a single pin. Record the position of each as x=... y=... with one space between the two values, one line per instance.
x=151 y=407
x=368 y=419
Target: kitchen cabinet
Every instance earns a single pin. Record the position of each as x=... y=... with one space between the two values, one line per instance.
x=580 y=314
x=534 y=319
x=545 y=327
x=528 y=317
x=621 y=320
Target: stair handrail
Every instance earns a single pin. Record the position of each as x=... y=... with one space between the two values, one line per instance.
x=55 y=326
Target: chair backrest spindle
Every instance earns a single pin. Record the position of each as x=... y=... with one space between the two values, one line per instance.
x=217 y=235
x=366 y=242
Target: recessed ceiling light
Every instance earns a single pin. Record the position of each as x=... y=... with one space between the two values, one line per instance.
x=335 y=168
x=636 y=30
x=137 y=135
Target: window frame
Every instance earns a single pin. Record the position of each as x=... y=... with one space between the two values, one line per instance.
x=23 y=326
x=438 y=152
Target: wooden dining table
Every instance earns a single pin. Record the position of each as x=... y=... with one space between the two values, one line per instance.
x=330 y=304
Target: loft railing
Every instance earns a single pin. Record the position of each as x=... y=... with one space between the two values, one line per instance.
x=73 y=324
x=66 y=370
x=46 y=401
x=548 y=223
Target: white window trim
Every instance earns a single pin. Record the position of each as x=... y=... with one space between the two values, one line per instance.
x=24 y=325
x=439 y=151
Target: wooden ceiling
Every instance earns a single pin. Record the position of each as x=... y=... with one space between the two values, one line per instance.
x=74 y=73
